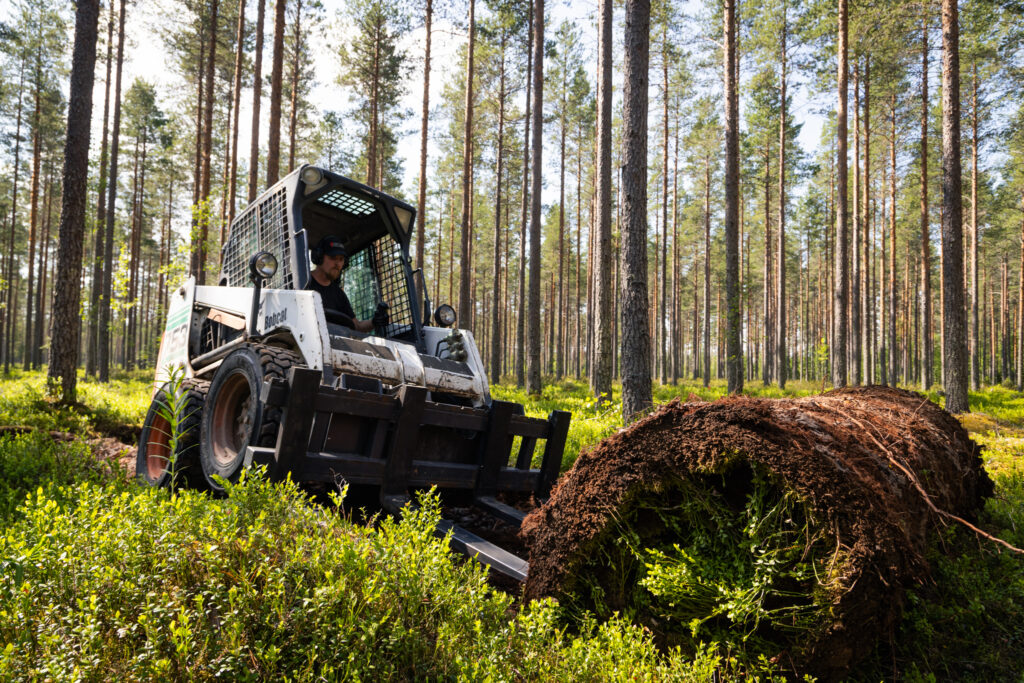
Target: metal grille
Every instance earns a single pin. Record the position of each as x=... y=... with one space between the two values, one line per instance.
x=262 y=228
x=375 y=274
x=346 y=202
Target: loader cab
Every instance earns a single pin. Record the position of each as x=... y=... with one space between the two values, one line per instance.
x=311 y=203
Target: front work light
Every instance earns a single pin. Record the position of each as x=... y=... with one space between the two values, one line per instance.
x=444 y=316
x=263 y=266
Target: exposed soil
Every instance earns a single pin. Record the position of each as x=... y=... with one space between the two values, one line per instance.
x=865 y=460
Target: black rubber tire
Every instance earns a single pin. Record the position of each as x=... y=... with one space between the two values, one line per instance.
x=234 y=417
x=153 y=465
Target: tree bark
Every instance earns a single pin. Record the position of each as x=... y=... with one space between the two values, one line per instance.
x=522 y=305
x=707 y=272
x=842 y=247
x=604 y=294
x=236 y=91
x=780 y=259
x=892 y=242
x=636 y=338
x=204 y=188
x=976 y=359
x=276 y=72
x=734 y=321
x=33 y=221
x=498 y=190
x=421 y=200
x=101 y=210
x=867 y=328
x=8 y=342
x=103 y=358
x=257 y=96
x=854 y=339
x=293 y=113
x=926 y=258
x=466 y=267
x=954 y=316
x=533 y=380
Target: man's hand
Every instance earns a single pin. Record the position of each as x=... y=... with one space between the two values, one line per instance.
x=380 y=316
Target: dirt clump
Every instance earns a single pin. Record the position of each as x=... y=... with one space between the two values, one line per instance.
x=834 y=497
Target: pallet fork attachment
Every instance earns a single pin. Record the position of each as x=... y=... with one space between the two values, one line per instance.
x=393 y=457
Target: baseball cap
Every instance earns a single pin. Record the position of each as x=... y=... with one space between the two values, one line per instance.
x=332 y=246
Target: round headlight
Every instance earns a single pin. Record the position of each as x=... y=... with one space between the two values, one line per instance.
x=444 y=316
x=263 y=265
x=311 y=175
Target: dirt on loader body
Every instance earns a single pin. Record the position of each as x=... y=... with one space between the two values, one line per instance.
x=863 y=462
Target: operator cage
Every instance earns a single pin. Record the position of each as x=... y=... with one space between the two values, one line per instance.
x=290 y=218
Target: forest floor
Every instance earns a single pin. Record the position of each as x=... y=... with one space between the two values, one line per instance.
x=100 y=576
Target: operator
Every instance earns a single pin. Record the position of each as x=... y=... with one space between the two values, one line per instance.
x=330 y=257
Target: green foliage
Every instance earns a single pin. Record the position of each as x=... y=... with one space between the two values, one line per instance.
x=263 y=585
x=700 y=567
x=101 y=578
x=965 y=624
x=34 y=460
x=115 y=408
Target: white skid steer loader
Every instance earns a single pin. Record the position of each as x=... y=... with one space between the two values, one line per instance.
x=255 y=370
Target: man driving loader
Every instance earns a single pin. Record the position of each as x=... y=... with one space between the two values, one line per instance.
x=329 y=256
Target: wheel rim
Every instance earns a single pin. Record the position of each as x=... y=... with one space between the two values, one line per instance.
x=232 y=422
x=158 y=447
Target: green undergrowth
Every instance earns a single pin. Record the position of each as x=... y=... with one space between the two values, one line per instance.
x=102 y=584
x=726 y=558
x=101 y=579
x=113 y=409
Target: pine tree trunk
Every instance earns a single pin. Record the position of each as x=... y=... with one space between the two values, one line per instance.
x=893 y=304
x=604 y=294
x=101 y=211
x=497 y=269
x=854 y=356
x=276 y=73
x=466 y=267
x=33 y=221
x=257 y=96
x=8 y=341
x=842 y=247
x=867 y=329
x=976 y=359
x=533 y=380
x=636 y=340
x=421 y=200
x=707 y=272
x=236 y=90
x=664 y=207
x=559 y=314
x=522 y=305
x=926 y=259
x=780 y=259
x=103 y=357
x=734 y=350
x=293 y=113
x=204 y=190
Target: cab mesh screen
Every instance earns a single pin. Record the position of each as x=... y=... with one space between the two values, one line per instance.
x=263 y=227
x=376 y=274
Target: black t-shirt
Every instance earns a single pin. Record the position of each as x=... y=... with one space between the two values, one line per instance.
x=334 y=297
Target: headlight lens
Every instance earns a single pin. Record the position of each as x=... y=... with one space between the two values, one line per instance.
x=311 y=175
x=263 y=265
x=444 y=316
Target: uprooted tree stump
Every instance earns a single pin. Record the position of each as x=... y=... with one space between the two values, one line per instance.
x=786 y=528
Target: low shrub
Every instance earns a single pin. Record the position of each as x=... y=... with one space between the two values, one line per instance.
x=100 y=583
x=34 y=460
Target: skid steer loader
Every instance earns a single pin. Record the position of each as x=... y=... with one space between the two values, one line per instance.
x=264 y=374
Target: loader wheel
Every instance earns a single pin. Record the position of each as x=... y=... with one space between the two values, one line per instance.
x=233 y=416
x=181 y=407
